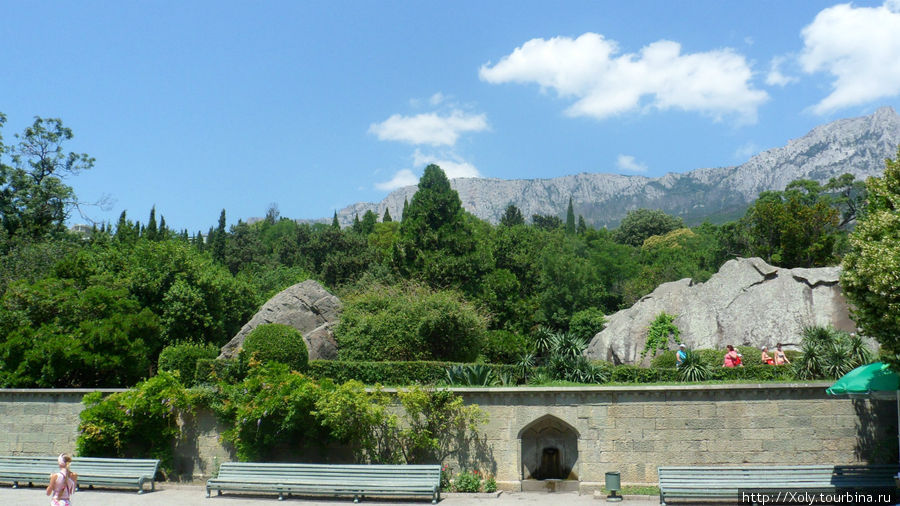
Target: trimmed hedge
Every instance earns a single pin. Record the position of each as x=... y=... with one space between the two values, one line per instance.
x=391 y=373
x=182 y=359
x=275 y=342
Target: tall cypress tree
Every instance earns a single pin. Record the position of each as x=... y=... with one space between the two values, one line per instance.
x=387 y=216
x=405 y=207
x=570 y=218
x=335 y=223
x=218 y=241
x=582 y=226
x=150 y=231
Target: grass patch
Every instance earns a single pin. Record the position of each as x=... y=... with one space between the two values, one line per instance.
x=634 y=490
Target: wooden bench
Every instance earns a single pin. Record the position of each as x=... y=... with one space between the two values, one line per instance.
x=715 y=482
x=105 y=472
x=357 y=481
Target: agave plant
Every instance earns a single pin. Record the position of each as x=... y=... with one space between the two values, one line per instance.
x=693 y=368
x=837 y=360
x=525 y=363
x=543 y=340
x=478 y=375
x=859 y=353
x=809 y=365
x=568 y=345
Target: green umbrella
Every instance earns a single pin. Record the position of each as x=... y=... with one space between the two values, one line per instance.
x=873 y=381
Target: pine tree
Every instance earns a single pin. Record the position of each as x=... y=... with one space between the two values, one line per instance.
x=357 y=226
x=405 y=207
x=570 y=219
x=335 y=223
x=387 y=216
x=163 y=233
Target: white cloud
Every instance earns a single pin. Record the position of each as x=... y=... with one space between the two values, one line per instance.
x=452 y=165
x=603 y=83
x=402 y=178
x=775 y=77
x=430 y=128
x=437 y=98
x=629 y=164
x=860 y=48
x=746 y=150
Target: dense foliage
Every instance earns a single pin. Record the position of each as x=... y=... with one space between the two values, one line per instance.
x=464 y=288
x=871 y=274
x=409 y=323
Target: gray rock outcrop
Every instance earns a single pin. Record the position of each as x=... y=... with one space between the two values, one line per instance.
x=307 y=307
x=748 y=302
x=855 y=145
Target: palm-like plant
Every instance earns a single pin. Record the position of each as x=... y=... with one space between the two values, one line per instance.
x=837 y=359
x=693 y=368
x=568 y=345
x=809 y=365
x=477 y=375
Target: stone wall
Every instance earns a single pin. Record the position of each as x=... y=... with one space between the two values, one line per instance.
x=583 y=431
x=40 y=421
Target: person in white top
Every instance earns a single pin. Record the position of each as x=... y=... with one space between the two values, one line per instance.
x=62 y=484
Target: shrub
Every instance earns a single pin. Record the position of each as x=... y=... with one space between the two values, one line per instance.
x=138 y=423
x=227 y=370
x=658 y=334
x=274 y=342
x=586 y=323
x=503 y=346
x=490 y=485
x=411 y=323
x=467 y=482
x=665 y=360
x=271 y=406
x=182 y=359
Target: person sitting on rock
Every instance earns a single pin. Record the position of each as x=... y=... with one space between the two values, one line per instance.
x=766 y=358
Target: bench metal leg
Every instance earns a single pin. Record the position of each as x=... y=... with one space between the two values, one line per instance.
x=280 y=496
x=207 y=492
x=355 y=499
x=15 y=484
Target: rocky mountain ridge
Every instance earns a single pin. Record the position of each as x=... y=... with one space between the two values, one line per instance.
x=856 y=145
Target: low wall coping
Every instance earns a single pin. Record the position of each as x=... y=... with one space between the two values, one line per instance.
x=639 y=388
x=73 y=391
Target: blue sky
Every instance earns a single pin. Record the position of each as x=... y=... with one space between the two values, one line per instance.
x=198 y=106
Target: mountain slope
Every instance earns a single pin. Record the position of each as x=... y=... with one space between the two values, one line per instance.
x=857 y=145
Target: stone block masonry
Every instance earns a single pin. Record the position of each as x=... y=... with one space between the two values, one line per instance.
x=579 y=431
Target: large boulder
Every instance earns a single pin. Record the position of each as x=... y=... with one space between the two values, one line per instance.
x=306 y=306
x=748 y=302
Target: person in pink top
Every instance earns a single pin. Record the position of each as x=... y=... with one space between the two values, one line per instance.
x=62 y=484
x=732 y=358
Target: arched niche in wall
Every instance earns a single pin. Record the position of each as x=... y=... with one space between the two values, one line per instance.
x=549 y=450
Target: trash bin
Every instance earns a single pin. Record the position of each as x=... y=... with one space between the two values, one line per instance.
x=613 y=485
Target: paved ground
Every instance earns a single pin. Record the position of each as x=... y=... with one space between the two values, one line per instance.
x=167 y=495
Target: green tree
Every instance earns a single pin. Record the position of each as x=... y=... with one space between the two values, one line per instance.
x=387 y=216
x=34 y=200
x=151 y=231
x=570 y=218
x=367 y=225
x=794 y=228
x=582 y=226
x=512 y=216
x=438 y=241
x=334 y=222
x=871 y=270
x=546 y=222
x=219 y=240
x=643 y=223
